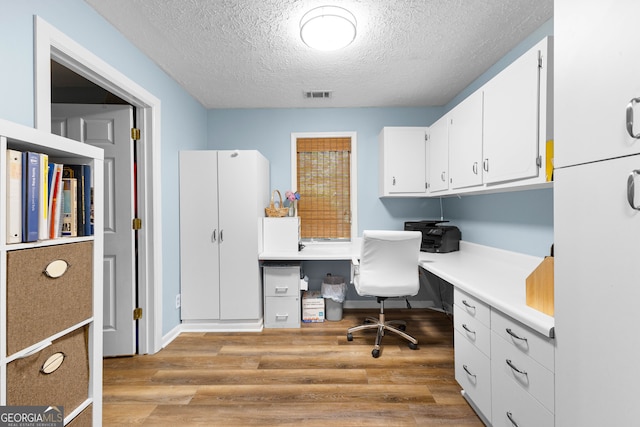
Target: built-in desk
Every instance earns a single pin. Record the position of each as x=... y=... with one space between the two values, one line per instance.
x=492 y=275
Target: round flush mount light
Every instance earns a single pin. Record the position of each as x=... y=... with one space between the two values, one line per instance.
x=328 y=28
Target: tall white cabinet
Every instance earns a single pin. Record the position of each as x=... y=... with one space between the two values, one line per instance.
x=596 y=283
x=222 y=199
x=48 y=316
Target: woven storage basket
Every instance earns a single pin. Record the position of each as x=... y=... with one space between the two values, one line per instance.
x=272 y=211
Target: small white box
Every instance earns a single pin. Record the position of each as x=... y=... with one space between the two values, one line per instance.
x=281 y=234
x=312 y=307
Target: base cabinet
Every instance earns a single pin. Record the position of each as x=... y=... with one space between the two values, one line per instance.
x=505 y=368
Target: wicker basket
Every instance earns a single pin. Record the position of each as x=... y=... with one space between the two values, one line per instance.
x=278 y=212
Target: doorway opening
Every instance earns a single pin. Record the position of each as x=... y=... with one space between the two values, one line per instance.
x=54 y=49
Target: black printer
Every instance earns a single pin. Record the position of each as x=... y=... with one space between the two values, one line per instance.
x=436 y=237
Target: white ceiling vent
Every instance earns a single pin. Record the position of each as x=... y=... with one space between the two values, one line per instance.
x=318 y=94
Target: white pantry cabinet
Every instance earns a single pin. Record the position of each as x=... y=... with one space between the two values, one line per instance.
x=46 y=316
x=222 y=199
x=402 y=158
x=438 y=157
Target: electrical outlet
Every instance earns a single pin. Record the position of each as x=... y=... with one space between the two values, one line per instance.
x=178 y=301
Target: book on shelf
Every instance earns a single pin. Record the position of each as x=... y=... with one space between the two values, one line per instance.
x=30 y=196
x=69 y=207
x=43 y=231
x=56 y=203
x=82 y=173
x=14 y=196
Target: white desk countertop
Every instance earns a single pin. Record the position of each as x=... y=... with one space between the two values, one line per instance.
x=495 y=276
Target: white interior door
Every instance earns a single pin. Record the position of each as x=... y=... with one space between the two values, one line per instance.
x=109 y=127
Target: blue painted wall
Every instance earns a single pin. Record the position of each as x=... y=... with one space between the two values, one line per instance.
x=504 y=220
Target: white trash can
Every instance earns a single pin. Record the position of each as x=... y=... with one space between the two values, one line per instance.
x=334 y=291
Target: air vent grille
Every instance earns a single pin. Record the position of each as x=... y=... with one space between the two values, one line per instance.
x=318 y=94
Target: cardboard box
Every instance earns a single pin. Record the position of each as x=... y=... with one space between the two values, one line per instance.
x=312 y=307
x=281 y=234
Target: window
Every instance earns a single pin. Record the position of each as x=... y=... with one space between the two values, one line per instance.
x=323 y=168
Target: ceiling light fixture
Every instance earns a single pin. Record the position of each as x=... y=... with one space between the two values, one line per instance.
x=328 y=28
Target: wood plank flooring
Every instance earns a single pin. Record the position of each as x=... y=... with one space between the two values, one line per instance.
x=310 y=376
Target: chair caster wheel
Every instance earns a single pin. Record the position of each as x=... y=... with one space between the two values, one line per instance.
x=375 y=353
x=413 y=346
x=349 y=337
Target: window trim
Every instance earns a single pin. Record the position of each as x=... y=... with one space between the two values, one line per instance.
x=353 y=167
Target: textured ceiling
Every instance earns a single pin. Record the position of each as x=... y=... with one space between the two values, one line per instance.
x=248 y=53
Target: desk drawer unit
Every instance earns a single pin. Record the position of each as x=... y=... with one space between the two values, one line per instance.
x=282 y=296
x=473 y=373
x=472 y=306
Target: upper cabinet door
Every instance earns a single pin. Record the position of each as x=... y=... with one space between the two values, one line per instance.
x=465 y=142
x=597 y=75
x=402 y=161
x=438 y=156
x=511 y=108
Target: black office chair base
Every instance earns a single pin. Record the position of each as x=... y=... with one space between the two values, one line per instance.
x=396 y=326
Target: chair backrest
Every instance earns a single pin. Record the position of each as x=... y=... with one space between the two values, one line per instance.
x=389 y=263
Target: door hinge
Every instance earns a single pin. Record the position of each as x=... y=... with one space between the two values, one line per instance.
x=137 y=313
x=136 y=224
x=135 y=133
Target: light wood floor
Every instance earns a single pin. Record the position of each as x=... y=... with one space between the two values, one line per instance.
x=310 y=376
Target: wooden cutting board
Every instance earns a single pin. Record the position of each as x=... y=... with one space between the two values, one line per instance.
x=540 y=287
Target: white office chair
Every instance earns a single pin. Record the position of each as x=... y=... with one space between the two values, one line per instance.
x=388 y=267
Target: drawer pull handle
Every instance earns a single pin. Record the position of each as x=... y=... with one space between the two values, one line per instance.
x=53 y=363
x=56 y=268
x=282 y=316
x=510 y=416
x=512 y=366
x=630 y=118
x=467 y=371
x=464 y=301
x=466 y=328
x=282 y=289
x=513 y=334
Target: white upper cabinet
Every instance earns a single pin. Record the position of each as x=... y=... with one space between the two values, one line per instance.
x=512 y=108
x=465 y=142
x=438 y=156
x=402 y=161
x=597 y=76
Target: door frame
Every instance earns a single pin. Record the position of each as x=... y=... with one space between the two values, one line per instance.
x=50 y=43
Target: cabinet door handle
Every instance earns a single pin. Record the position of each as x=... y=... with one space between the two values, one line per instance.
x=468 y=372
x=516 y=336
x=512 y=366
x=221 y=236
x=510 y=416
x=474 y=168
x=466 y=328
x=485 y=165
x=442 y=176
x=281 y=289
x=214 y=236
x=631 y=189
x=393 y=180
x=630 y=118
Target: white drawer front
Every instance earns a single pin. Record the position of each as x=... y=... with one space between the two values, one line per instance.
x=477 y=333
x=473 y=373
x=524 y=339
x=513 y=406
x=523 y=371
x=472 y=306
x=282 y=312
x=281 y=281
